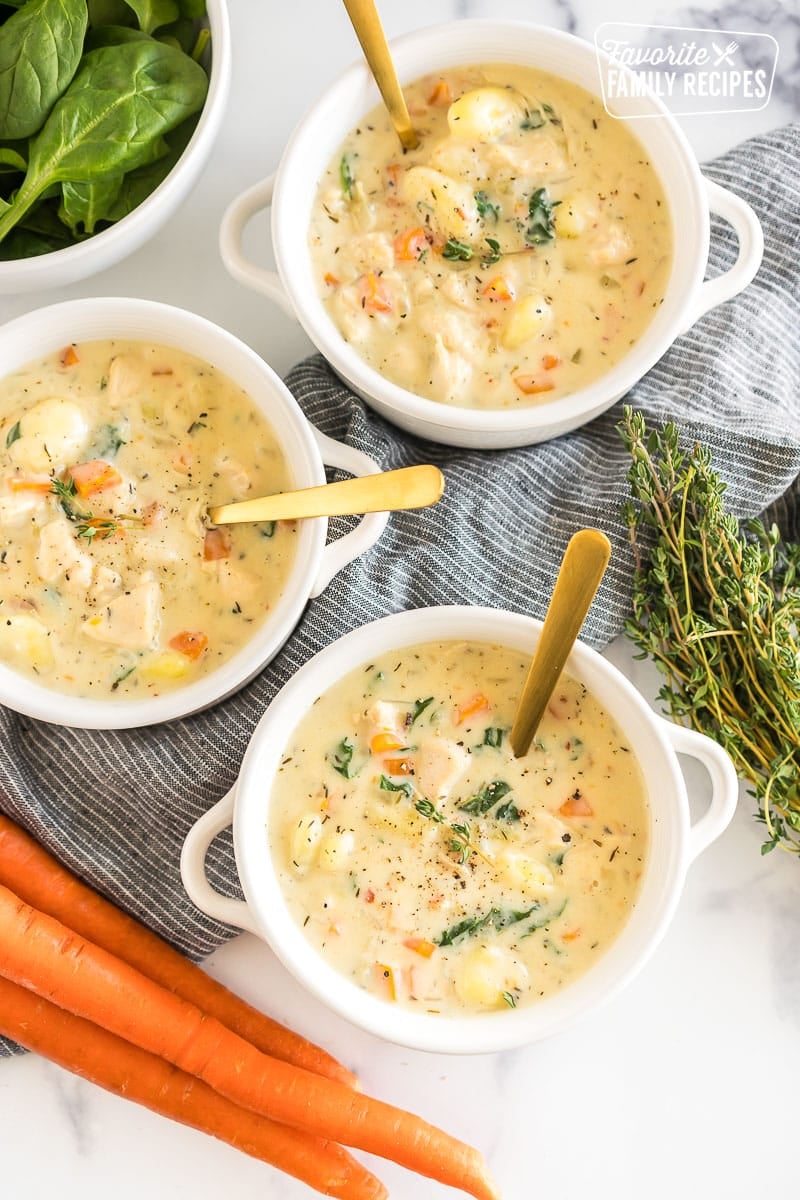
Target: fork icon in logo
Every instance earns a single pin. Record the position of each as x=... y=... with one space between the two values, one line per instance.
x=725 y=55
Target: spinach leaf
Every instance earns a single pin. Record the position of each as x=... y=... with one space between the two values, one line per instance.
x=137 y=185
x=12 y=159
x=485 y=206
x=486 y=798
x=109 y=12
x=113 y=35
x=493 y=254
x=152 y=14
x=533 y=119
x=343 y=758
x=84 y=204
x=40 y=48
x=540 y=213
x=507 y=812
x=493 y=736
x=388 y=785
x=419 y=709
x=111 y=119
x=13 y=435
x=192 y=8
x=108 y=441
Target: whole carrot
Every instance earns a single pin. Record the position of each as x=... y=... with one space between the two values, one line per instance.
x=29 y=871
x=41 y=954
x=127 y=1071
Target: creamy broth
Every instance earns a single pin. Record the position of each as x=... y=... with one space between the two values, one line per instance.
x=429 y=865
x=112 y=582
x=515 y=256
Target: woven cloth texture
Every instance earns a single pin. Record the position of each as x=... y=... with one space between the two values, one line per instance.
x=116 y=806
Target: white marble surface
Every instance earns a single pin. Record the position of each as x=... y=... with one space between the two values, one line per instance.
x=683 y=1086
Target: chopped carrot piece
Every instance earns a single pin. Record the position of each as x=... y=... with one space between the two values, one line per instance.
x=478 y=703
x=420 y=945
x=441 y=94
x=369 y=896
x=331 y=279
x=499 y=288
x=411 y=244
x=382 y=742
x=161 y=371
x=550 y=360
x=393 y=172
x=531 y=385
x=576 y=806
x=18 y=484
x=385 y=983
x=188 y=643
x=374 y=294
x=94 y=476
x=69 y=357
x=217 y=544
x=153 y=514
x=397 y=766
x=570 y=935
x=183 y=462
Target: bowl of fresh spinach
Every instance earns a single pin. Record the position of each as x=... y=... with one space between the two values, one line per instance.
x=108 y=111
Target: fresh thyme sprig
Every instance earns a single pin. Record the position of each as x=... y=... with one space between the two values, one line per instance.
x=86 y=524
x=716 y=604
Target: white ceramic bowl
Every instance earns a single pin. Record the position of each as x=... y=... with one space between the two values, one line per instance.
x=292 y=189
x=675 y=841
x=305 y=448
x=102 y=250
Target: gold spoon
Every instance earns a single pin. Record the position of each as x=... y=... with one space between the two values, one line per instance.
x=582 y=567
x=410 y=487
x=365 y=20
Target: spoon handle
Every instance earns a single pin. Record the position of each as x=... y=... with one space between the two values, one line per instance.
x=365 y=21
x=410 y=487
x=582 y=568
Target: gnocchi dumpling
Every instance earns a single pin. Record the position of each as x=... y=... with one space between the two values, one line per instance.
x=485 y=114
x=336 y=849
x=485 y=973
x=573 y=216
x=450 y=203
x=529 y=316
x=52 y=434
x=24 y=639
x=304 y=841
x=522 y=870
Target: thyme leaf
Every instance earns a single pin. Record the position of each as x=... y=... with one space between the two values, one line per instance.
x=457 y=251
x=419 y=709
x=486 y=798
x=486 y=208
x=346 y=176
x=13 y=435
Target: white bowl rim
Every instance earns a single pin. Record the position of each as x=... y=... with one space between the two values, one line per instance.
x=484 y=1032
x=35 y=700
x=585 y=403
x=105 y=245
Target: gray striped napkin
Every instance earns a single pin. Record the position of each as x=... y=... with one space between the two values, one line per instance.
x=115 y=807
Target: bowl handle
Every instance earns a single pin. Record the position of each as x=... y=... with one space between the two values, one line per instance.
x=724 y=784
x=739 y=214
x=237 y=215
x=193 y=868
x=338 y=554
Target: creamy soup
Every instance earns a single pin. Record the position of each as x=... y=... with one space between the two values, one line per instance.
x=112 y=580
x=515 y=256
x=432 y=867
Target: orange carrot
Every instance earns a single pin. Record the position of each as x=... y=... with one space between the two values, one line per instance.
x=125 y=1070
x=94 y=476
x=49 y=959
x=441 y=94
x=420 y=945
x=69 y=357
x=374 y=293
x=397 y=766
x=499 y=288
x=18 y=483
x=382 y=742
x=531 y=385
x=550 y=361
x=189 y=644
x=332 y=280
x=28 y=870
x=478 y=703
x=411 y=244
x=576 y=806
x=216 y=544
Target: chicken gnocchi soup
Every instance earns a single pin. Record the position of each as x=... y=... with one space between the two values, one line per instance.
x=514 y=257
x=112 y=581
x=428 y=864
